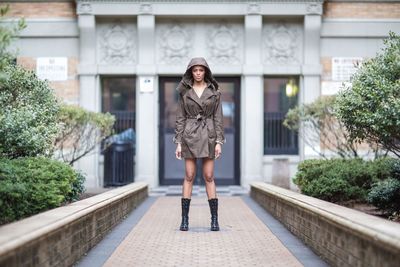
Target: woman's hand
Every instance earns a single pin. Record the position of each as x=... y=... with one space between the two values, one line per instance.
x=178 y=151
x=218 y=150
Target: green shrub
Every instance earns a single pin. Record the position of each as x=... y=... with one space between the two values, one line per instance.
x=31 y=185
x=370 y=106
x=333 y=189
x=81 y=130
x=339 y=180
x=77 y=187
x=28 y=115
x=383 y=168
x=396 y=170
x=316 y=122
x=386 y=195
x=332 y=180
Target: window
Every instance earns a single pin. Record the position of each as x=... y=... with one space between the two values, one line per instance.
x=118 y=98
x=280 y=95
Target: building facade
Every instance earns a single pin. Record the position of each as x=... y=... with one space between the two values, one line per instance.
x=127 y=56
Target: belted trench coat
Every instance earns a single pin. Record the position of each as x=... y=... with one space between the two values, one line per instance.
x=199 y=120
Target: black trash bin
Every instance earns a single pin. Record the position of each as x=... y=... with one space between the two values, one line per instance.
x=119 y=160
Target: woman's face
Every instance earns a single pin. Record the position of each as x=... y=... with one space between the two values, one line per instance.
x=198 y=73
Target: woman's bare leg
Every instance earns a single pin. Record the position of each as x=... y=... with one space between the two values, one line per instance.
x=208 y=172
x=190 y=171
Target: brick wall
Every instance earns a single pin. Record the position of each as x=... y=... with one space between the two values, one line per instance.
x=326 y=63
x=43 y=10
x=341 y=236
x=68 y=90
x=362 y=10
x=60 y=237
x=326 y=76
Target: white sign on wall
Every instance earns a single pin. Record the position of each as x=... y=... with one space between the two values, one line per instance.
x=146 y=84
x=52 y=68
x=344 y=67
x=332 y=88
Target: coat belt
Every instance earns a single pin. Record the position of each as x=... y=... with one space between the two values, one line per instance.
x=200 y=118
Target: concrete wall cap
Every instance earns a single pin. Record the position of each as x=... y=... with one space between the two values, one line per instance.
x=374 y=228
x=18 y=233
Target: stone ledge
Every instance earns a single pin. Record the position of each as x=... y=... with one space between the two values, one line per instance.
x=59 y=237
x=342 y=236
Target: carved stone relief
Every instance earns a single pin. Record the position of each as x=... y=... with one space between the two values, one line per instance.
x=84 y=8
x=224 y=42
x=314 y=9
x=116 y=43
x=146 y=8
x=253 y=8
x=282 y=44
x=174 y=44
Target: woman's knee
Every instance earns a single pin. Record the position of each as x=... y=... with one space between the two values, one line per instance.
x=209 y=178
x=189 y=177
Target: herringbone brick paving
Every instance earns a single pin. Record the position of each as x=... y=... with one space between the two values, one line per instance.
x=243 y=240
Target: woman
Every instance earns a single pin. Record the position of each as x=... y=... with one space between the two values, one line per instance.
x=199 y=133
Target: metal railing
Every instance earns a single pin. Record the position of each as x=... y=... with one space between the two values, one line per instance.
x=120 y=150
x=277 y=138
x=124 y=120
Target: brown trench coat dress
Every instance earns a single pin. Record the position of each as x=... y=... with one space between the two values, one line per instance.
x=199 y=121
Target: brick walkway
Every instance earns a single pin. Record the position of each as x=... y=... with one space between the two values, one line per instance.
x=244 y=239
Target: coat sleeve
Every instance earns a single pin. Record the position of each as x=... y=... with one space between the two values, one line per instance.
x=180 y=121
x=219 y=123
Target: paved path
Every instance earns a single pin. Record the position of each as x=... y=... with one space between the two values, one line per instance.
x=249 y=236
x=198 y=190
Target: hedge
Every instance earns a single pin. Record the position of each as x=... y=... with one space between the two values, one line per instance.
x=340 y=180
x=34 y=184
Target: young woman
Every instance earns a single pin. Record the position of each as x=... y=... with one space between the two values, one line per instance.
x=199 y=133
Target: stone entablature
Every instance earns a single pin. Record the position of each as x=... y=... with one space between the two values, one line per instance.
x=202 y=8
x=220 y=41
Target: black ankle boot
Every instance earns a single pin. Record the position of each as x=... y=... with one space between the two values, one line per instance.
x=185 y=214
x=214 y=213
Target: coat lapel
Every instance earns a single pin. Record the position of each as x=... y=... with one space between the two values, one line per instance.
x=192 y=95
x=208 y=92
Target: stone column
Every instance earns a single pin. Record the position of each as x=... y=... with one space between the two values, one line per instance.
x=146 y=168
x=312 y=68
x=252 y=101
x=88 y=87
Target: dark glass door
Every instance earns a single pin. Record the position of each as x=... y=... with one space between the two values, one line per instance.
x=118 y=98
x=280 y=95
x=227 y=168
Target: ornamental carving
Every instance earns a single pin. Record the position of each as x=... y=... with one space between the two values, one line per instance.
x=174 y=44
x=253 y=8
x=314 y=9
x=282 y=45
x=146 y=9
x=117 y=43
x=84 y=8
x=224 y=45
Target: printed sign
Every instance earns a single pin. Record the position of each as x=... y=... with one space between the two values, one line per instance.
x=344 y=67
x=146 y=84
x=331 y=88
x=52 y=68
